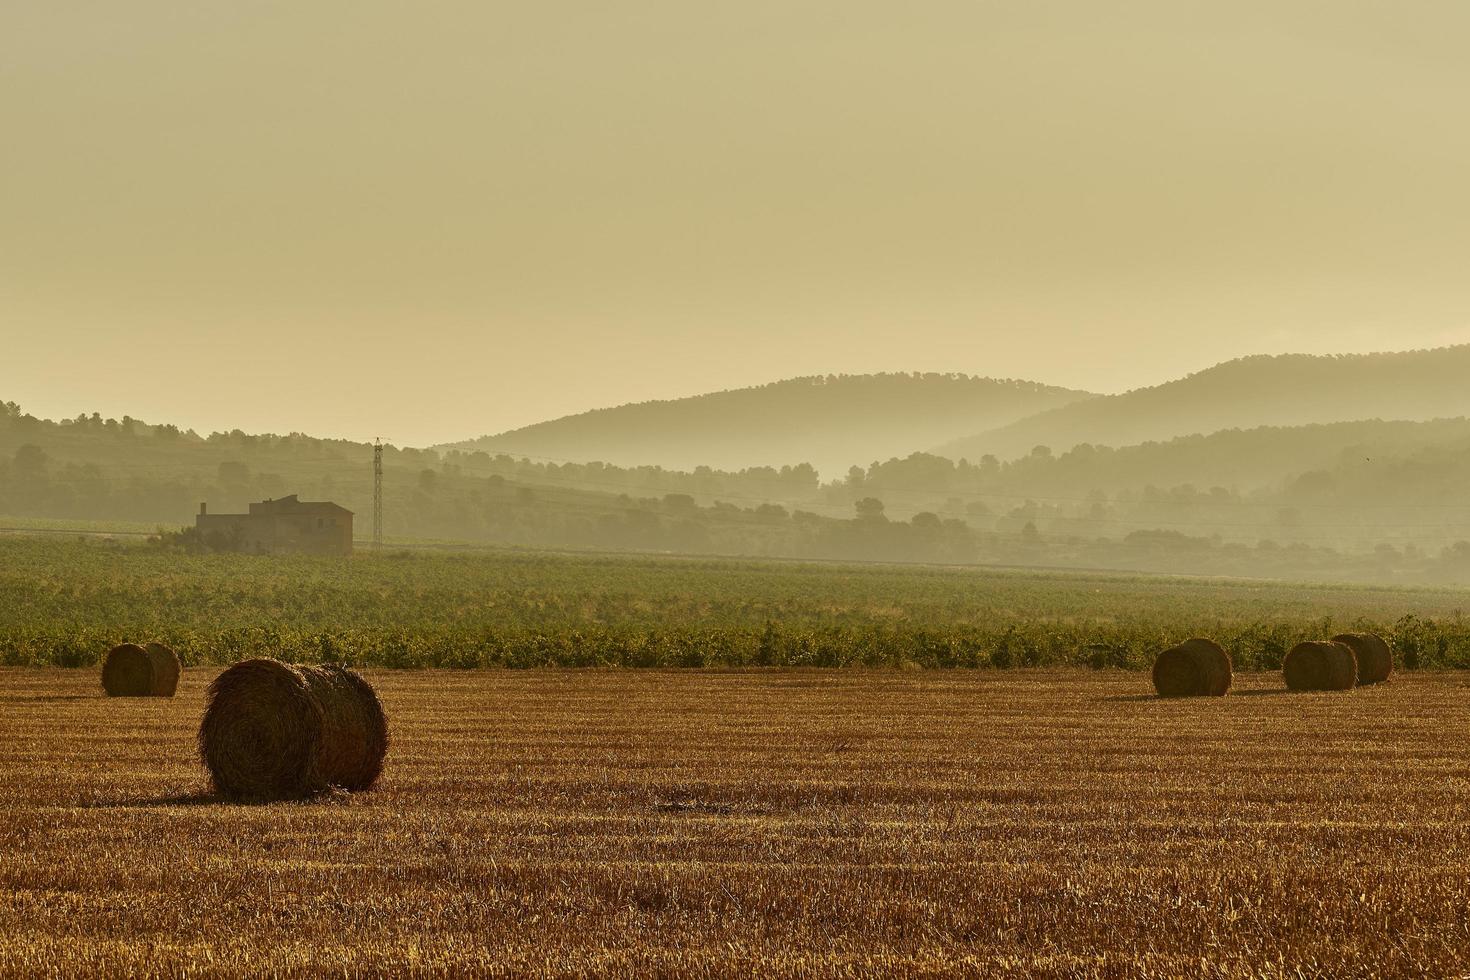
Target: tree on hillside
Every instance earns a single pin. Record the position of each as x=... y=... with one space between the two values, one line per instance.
x=30 y=461
x=233 y=474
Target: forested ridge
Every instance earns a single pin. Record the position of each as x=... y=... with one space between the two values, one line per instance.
x=1279 y=390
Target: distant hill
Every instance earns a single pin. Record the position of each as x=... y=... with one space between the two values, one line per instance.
x=1264 y=460
x=1285 y=390
x=1390 y=493
x=832 y=422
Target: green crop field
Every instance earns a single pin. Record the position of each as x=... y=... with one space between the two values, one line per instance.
x=65 y=602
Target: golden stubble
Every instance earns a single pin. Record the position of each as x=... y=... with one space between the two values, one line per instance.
x=1032 y=823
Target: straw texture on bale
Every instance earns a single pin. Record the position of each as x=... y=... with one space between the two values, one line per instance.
x=165 y=664
x=276 y=731
x=131 y=671
x=1375 y=659
x=1320 y=665
x=1195 y=668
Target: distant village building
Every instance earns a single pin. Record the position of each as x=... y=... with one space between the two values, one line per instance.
x=280 y=526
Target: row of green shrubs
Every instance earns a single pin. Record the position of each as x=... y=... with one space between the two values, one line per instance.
x=1417 y=643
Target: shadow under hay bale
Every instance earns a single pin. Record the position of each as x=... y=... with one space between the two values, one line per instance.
x=1375 y=659
x=131 y=671
x=1195 y=668
x=275 y=731
x=1320 y=665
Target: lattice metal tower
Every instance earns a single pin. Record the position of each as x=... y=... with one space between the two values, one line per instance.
x=378 y=493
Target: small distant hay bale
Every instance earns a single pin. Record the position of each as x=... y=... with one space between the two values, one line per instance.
x=132 y=671
x=1375 y=659
x=127 y=672
x=1195 y=668
x=274 y=731
x=166 y=667
x=1320 y=665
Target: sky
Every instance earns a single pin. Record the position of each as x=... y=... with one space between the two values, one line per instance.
x=434 y=220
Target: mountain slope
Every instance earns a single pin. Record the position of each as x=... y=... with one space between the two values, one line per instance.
x=831 y=422
x=1263 y=460
x=1285 y=390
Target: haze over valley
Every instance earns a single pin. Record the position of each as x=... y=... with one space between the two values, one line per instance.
x=831 y=423
x=1305 y=466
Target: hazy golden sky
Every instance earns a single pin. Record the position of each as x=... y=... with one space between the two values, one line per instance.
x=434 y=220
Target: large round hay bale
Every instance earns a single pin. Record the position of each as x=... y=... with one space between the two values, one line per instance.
x=1195 y=668
x=127 y=672
x=1320 y=665
x=165 y=664
x=1375 y=659
x=275 y=731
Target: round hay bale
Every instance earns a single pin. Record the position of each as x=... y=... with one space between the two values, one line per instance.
x=127 y=672
x=274 y=731
x=1375 y=659
x=165 y=664
x=1317 y=665
x=1195 y=668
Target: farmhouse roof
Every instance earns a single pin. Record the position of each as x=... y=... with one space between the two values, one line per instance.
x=292 y=505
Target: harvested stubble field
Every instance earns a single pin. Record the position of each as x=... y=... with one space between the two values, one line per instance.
x=1023 y=823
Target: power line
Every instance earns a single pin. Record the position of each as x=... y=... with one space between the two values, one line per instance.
x=378 y=494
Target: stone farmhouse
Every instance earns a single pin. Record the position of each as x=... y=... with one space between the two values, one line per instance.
x=281 y=526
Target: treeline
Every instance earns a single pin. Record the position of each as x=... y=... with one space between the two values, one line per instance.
x=1351 y=486
x=765 y=484
x=1240 y=460
x=97 y=469
x=1337 y=523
